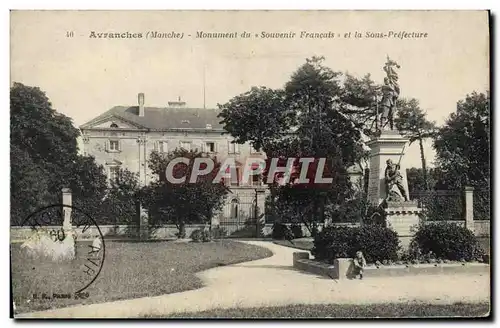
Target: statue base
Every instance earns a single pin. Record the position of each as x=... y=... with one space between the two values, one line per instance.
x=403 y=218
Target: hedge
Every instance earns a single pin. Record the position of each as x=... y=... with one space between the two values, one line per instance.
x=377 y=243
x=446 y=241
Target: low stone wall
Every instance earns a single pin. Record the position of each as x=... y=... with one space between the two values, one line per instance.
x=482 y=228
x=110 y=232
x=343 y=268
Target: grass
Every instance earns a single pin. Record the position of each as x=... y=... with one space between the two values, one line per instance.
x=389 y=310
x=130 y=270
x=300 y=243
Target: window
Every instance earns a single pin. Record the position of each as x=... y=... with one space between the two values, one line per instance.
x=186 y=145
x=114 y=173
x=233 y=148
x=237 y=181
x=256 y=180
x=162 y=147
x=113 y=125
x=114 y=145
x=210 y=147
x=234 y=209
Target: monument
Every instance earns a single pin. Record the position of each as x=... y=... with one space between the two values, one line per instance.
x=387 y=182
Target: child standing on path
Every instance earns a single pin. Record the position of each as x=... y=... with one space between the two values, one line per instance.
x=359 y=264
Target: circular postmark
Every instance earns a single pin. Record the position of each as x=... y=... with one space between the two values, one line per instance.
x=65 y=247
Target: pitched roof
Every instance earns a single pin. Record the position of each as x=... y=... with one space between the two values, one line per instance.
x=162 y=118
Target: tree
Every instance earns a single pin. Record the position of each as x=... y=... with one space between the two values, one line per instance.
x=463 y=144
x=120 y=206
x=186 y=202
x=411 y=121
x=44 y=157
x=305 y=120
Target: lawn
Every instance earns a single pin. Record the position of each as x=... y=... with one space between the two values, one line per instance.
x=130 y=270
x=391 y=310
x=300 y=243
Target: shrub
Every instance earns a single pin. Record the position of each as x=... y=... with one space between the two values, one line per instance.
x=281 y=231
x=447 y=241
x=377 y=243
x=296 y=231
x=200 y=235
x=196 y=235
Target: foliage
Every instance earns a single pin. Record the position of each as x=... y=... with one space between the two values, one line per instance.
x=377 y=243
x=296 y=230
x=281 y=231
x=463 y=144
x=182 y=203
x=120 y=206
x=447 y=241
x=44 y=157
x=304 y=119
x=411 y=121
x=200 y=235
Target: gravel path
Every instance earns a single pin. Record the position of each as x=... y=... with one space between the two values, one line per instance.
x=273 y=281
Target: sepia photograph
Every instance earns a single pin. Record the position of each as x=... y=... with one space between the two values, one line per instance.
x=250 y=164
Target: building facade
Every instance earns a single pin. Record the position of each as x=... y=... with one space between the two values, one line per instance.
x=125 y=137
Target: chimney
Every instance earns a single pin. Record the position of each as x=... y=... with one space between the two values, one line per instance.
x=178 y=103
x=140 y=98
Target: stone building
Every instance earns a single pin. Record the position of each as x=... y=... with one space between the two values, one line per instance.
x=125 y=136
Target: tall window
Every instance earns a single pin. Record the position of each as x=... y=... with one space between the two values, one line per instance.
x=237 y=181
x=210 y=147
x=233 y=148
x=256 y=180
x=114 y=173
x=114 y=145
x=162 y=147
x=234 y=209
x=186 y=145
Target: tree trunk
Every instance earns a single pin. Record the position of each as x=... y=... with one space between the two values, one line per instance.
x=424 y=166
x=182 y=229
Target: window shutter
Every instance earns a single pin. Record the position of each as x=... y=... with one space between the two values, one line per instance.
x=119 y=143
x=156 y=146
x=229 y=147
x=216 y=147
x=236 y=148
x=165 y=147
x=203 y=147
x=106 y=145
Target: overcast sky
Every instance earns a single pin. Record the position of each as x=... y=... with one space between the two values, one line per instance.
x=84 y=76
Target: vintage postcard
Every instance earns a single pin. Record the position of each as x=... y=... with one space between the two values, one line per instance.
x=250 y=164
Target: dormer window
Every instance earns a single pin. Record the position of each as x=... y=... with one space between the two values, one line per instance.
x=113 y=125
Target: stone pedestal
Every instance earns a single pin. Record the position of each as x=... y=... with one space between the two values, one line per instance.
x=389 y=145
x=143 y=223
x=402 y=216
x=66 y=210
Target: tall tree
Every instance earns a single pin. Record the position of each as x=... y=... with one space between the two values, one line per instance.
x=305 y=121
x=411 y=121
x=463 y=144
x=44 y=156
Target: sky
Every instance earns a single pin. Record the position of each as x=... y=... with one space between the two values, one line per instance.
x=85 y=76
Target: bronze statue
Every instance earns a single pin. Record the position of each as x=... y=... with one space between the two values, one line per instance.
x=393 y=178
x=390 y=91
